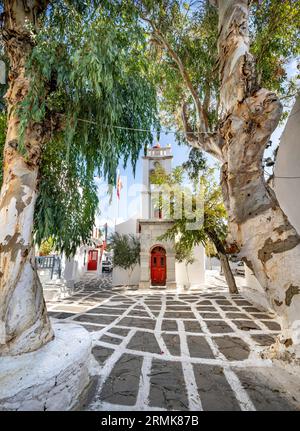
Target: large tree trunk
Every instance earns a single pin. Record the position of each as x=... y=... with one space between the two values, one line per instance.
x=259 y=230
x=224 y=262
x=24 y=325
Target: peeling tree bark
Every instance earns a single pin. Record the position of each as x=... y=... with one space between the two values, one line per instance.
x=24 y=325
x=259 y=230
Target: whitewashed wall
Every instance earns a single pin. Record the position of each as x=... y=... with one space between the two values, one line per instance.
x=196 y=271
x=119 y=275
x=212 y=263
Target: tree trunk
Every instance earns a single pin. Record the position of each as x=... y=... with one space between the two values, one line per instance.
x=228 y=273
x=259 y=230
x=24 y=324
x=224 y=262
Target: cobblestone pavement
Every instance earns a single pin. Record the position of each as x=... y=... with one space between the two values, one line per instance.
x=178 y=351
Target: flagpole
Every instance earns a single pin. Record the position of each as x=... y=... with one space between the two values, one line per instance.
x=118 y=197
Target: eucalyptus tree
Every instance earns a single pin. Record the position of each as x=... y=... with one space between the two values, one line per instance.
x=223 y=64
x=76 y=84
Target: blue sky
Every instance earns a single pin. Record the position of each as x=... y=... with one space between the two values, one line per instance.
x=116 y=211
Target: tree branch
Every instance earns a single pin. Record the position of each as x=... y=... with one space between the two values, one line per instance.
x=202 y=117
x=208 y=142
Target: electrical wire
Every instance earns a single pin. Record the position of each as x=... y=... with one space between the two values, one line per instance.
x=148 y=130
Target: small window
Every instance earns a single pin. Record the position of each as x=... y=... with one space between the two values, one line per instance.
x=154 y=261
x=162 y=261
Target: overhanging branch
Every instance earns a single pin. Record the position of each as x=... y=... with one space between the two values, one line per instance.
x=208 y=142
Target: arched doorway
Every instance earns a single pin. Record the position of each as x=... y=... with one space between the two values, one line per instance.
x=158 y=266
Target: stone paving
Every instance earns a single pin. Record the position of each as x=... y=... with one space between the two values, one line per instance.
x=169 y=350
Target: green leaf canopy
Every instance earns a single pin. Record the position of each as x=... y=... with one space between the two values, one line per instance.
x=87 y=69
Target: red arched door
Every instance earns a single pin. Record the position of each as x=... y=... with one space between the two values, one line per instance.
x=158 y=266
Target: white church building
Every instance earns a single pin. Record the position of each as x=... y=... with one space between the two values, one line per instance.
x=158 y=266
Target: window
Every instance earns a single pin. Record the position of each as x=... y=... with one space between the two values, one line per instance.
x=162 y=261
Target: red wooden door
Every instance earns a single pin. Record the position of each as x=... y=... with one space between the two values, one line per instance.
x=93 y=260
x=158 y=267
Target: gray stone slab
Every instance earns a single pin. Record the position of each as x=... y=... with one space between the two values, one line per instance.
x=236 y=316
x=101 y=354
x=218 y=326
x=273 y=326
x=92 y=328
x=229 y=308
x=251 y=309
x=264 y=339
x=154 y=302
x=192 y=326
x=233 y=348
x=246 y=325
x=205 y=302
x=103 y=310
x=223 y=302
x=133 y=322
x=214 y=390
x=145 y=342
x=155 y=313
x=111 y=340
x=101 y=320
x=139 y=313
x=119 y=331
x=113 y=305
x=167 y=386
x=179 y=308
x=210 y=316
x=169 y=325
x=64 y=315
x=172 y=342
x=264 y=392
x=199 y=347
x=243 y=302
x=122 y=385
x=179 y=315
x=174 y=303
x=262 y=316
x=205 y=308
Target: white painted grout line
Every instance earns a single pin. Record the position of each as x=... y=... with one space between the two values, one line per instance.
x=186 y=361
x=109 y=365
x=119 y=318
x=232 y=379
x=188 y=372
x=110 y=334
x=255 y=319
x=105 y=406
x=151 y=315
x=142 y=402
x=193 y=360
x=238 y=389
x=244 y=335
x=157 y=330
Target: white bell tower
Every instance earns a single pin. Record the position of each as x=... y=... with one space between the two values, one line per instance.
x=156 y=154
